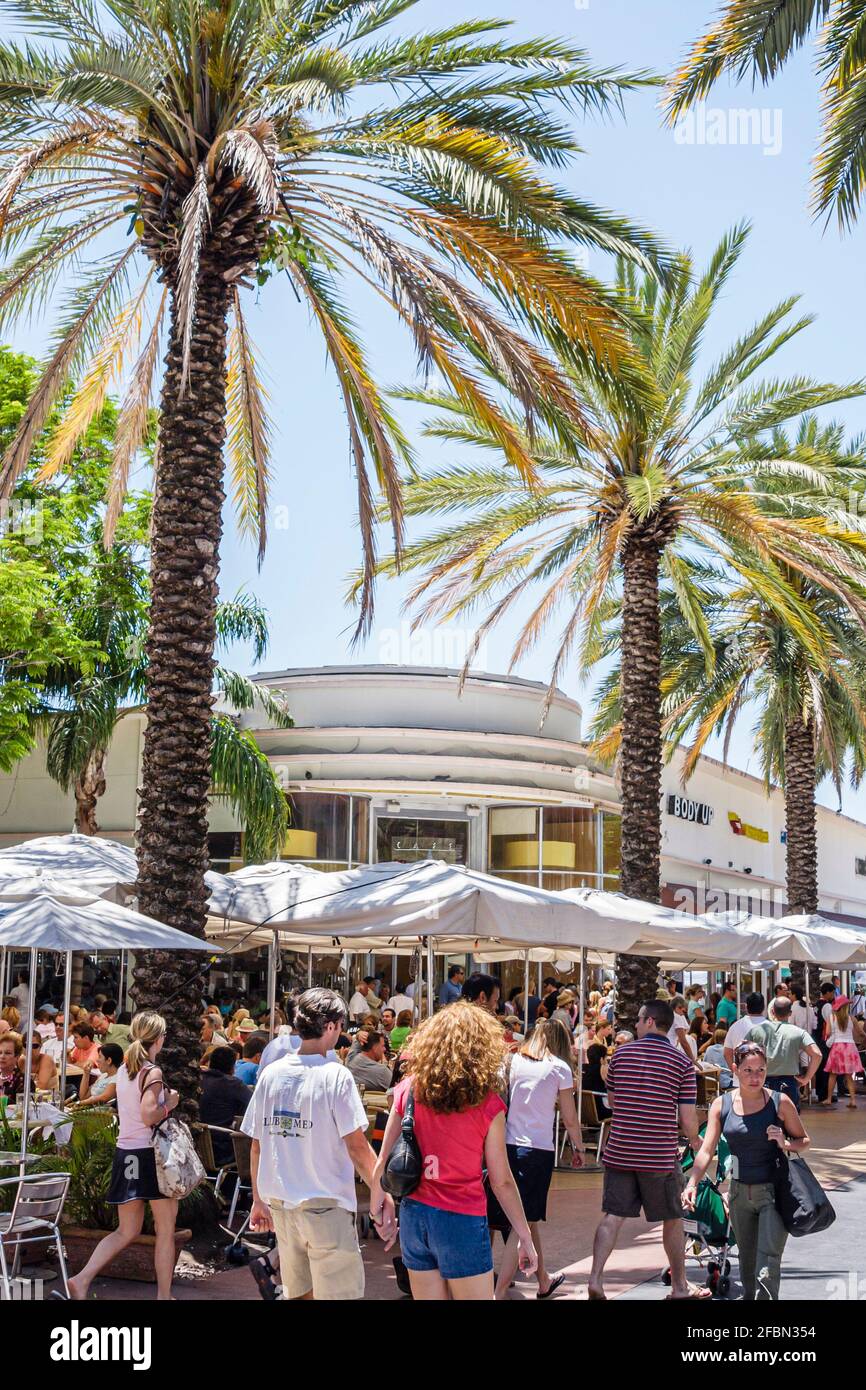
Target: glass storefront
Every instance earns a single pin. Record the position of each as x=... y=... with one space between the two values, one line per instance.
x=554 y=847
x=408 y=839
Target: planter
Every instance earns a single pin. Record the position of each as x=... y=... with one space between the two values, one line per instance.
x=135 y=1262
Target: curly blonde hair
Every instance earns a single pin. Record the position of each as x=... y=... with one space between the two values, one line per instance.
x=457 y=1058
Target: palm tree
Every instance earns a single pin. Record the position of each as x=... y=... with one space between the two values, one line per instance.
x=800 y=665
x=80 y=715
x=193 y=148
x=754 y=39
x=674 y=466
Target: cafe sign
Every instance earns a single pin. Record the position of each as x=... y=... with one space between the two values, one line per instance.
x=684 y=808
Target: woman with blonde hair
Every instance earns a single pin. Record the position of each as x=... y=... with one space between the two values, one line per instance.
x=843 y=1059
x=143 y=1101
x=540 y=1077
x=234 y=1029
x=459 y=1119
x=11 y=1016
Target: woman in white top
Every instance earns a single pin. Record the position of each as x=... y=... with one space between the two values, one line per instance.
x=539 y=1078
x=142 y=1102
x=843 y=1058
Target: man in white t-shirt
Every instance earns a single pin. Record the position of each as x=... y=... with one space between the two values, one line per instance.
x=679 y=1029
x=400 y=1002
x=308 y=1128
x=364 y=1001
x=754 y=1016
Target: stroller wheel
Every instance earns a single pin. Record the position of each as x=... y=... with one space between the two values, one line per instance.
x=724 y=1286
x=237 y=1253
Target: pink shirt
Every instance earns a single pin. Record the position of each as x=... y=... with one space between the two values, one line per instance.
x=132 y=1132
x=453 y=1150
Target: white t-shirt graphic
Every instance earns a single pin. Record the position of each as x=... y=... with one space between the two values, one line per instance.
x=300 y=1112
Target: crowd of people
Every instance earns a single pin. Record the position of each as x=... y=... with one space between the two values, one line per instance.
x=483 y=1087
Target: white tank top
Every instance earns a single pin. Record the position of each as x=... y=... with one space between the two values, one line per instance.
x=133 y=1133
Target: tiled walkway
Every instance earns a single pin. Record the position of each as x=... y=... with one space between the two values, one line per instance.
x=838 y=1157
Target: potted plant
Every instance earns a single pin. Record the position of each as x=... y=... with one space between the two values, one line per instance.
x=88 y=1217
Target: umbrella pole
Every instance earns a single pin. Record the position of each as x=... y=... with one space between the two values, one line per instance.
x=419 y=983
x=28 y=1057
x=67 y=1001
x=310 y=966
x=272 y=979
x=429 y=977
x=739 y=970
x=526 y=994
x=581 y=1015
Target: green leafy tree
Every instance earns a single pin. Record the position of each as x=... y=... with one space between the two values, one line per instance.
x=675 y=466
x=754 y=39
x=798 y=666
x=204 y=144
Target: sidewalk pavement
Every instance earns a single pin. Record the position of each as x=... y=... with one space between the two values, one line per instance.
x=828 y=1266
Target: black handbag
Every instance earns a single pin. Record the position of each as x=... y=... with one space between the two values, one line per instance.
x=801 y=1201
x=404 y=1168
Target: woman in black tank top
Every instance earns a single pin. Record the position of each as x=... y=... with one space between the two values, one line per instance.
x=757 y=1124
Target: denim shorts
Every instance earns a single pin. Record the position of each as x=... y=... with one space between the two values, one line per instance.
x=457 y=1245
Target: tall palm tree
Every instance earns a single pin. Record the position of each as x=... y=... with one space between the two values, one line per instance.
x=193 y=147
x=799 y=665
x=80 y=715
x=674 y=465
x=754 y=39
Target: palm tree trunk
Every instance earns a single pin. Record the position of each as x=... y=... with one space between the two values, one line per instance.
x=801 y=840
x=89 y=787
x=641 y=753
x=173 y=816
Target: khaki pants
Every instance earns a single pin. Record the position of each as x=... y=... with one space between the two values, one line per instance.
x=761 y=1238
x=319 y=1250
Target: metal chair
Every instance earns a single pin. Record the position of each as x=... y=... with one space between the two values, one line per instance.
x=215 y=1173
x=35 y=1217
x=242 y=1145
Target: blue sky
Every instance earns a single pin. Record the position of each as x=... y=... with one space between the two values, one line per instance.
x=689 y=193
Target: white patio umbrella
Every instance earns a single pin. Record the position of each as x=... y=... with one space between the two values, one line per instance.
x=87 y=859
x=817 y=940
x=40 y=915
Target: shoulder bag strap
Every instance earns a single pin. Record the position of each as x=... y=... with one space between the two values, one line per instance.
x=408 y=1122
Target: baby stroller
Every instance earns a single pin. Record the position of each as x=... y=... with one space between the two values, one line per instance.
x=708 y=1231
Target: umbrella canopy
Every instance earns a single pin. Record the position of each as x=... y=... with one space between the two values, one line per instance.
x=817 y=939
x=101 y=865
x=80 y=921
x=427 y=899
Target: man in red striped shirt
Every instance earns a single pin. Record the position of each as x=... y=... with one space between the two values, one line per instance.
x=652 y=1091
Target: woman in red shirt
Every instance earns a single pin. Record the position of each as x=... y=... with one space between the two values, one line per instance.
x=457 y=1069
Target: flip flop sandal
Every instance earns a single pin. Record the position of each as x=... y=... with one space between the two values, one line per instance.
x=554 y=1285
x=694 y=1295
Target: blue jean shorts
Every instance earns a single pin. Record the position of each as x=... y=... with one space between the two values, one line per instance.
x=457 y=1245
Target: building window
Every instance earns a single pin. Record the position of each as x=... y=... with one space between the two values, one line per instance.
x=225 y=851
x=554 y=847
x=328 y=830
x=569 y=855
x=611 y=839
x=408 y=839
x=860 y=867
x=513 y=848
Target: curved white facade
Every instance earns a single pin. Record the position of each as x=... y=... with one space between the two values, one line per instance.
x=391 y=761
